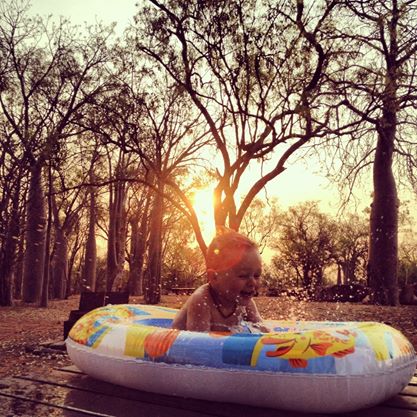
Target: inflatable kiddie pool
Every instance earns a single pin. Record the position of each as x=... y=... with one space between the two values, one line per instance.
x=322 y=367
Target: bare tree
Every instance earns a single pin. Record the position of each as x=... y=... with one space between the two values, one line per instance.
x=174 y=145
x=378 y=87
x=49 y=74
x=117 y=230
x=66 y=209
x=139 y=227
x=12 y=189
x=158 y=127
x=90 y=260
x=255 y=73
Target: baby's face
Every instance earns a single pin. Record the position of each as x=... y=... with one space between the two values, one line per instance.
x=241 y=282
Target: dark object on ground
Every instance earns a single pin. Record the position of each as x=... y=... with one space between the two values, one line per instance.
x=273 y=292
x=183 y=290
x=91 y=300
x=408 y=294
x=45 y=349
x=349 y=292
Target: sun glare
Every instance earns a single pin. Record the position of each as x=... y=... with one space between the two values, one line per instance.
x=203 y=206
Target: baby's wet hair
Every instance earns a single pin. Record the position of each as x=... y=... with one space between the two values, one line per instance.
x=227 y=249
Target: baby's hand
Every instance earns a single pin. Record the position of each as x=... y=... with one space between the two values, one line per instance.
x=262 y=327
x=258 y=327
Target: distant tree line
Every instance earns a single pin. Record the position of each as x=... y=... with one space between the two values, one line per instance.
x=313 y=250
x=104 y=139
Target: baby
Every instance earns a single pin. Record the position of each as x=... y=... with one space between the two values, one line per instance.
x=226 y=302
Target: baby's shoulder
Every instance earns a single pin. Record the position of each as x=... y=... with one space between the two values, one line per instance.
x=202 y=290
x=201 y=293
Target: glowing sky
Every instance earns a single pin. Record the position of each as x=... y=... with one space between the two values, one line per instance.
x=90 y=11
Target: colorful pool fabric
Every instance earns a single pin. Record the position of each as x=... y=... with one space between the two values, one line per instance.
x=304 y=366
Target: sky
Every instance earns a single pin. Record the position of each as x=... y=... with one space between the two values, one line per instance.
x=90 y=11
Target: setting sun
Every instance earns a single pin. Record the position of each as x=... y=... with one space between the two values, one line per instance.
x=203 y=206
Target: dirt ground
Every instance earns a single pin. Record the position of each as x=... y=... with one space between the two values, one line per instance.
x=26 y=331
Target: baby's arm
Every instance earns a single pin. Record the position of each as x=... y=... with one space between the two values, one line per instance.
x=198 y=313
x=253 y=316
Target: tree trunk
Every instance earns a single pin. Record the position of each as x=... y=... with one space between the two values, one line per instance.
x=117 y=234
x=318 y=281
x=47 y=262
x=349 y=267
x=306 y=278
x=9 y=252
x=383 y=250
x=152 y=278
x=18 y=276
x=383 y=246
x=60 y=264
x=90 y=261
x=339 y=274
x=71 y=264
x=137 y=252
x=34 y=257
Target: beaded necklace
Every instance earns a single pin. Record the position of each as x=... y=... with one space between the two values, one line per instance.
x=217 y=304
